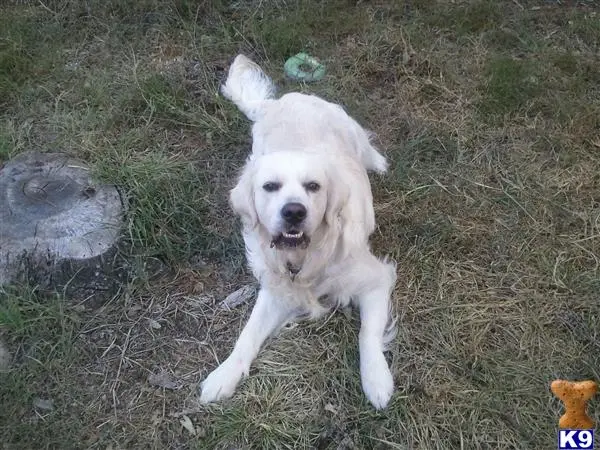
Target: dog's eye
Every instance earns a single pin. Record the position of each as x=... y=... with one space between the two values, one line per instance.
x=313 y=186
x=271 y=186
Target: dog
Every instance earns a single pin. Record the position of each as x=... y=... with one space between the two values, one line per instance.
x=305 y=202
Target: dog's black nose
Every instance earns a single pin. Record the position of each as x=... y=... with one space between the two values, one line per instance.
x=293 y=213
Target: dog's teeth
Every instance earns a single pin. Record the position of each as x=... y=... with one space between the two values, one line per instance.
x=290 y=235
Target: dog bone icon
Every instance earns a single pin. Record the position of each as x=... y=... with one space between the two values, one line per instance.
x=574 y=395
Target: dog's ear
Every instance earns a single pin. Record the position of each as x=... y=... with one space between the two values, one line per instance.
x=350 y=203
x=241 y=197
x=338 y=193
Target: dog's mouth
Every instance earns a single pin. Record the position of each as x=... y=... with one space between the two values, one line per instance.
x=291 y=238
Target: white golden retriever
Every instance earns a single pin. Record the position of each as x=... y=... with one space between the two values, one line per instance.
x=305 y=202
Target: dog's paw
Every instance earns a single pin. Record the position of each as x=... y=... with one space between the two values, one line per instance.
x=377 y=381
x=220 y=384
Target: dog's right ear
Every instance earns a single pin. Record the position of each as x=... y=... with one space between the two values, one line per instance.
x=241 y=197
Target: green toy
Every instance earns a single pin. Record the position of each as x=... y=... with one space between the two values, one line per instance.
x=303 y=67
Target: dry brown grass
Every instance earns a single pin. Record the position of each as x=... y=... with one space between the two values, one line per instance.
x=489 y=112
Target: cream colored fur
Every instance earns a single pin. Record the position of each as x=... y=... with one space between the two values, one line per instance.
x=299 y=139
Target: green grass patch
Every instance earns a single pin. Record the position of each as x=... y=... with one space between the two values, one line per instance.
x=510 y=86
x=433 y=148
x=163 y=98
x=6 y=145
x=476 y=17
x=169 y=199
x=466 y=17
x=585 y=25
x=22 y=47
x=39 y=321
x=41 y=384
x=301 y=25
x=518 y=38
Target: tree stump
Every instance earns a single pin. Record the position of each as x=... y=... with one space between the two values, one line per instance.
x=58 y=227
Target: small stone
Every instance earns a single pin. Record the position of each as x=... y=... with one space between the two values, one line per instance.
x=45 y=405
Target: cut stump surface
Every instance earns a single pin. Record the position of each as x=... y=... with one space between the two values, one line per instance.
x=52 y=212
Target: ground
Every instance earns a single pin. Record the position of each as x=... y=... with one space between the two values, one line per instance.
x=489 y=112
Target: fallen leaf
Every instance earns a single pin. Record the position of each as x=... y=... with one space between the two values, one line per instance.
x=197 y=262
x=329 y=407
x=198 y=288
x=238 y=297
x=156 y=418
x=4 y=357
x=154 y=324
x=186 y=422
x=163 y=379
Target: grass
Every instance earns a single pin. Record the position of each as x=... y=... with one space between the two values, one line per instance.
x=511 y=85
x=489 y=112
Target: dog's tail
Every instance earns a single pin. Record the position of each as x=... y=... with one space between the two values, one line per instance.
x=248 y=87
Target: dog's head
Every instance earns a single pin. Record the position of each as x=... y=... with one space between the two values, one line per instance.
x=286 y=193
x=295 y=195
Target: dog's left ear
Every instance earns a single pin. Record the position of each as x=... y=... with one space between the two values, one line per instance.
x=338 y=193
x=350 y=202
x=241 y=197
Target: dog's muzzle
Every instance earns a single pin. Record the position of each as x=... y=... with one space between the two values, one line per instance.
x=293 y=214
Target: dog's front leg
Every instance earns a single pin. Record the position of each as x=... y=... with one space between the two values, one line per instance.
x=268 y=315
x=377 y=381
x=376 y=377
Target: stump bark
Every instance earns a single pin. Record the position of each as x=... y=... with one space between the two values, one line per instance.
x=58 y=227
